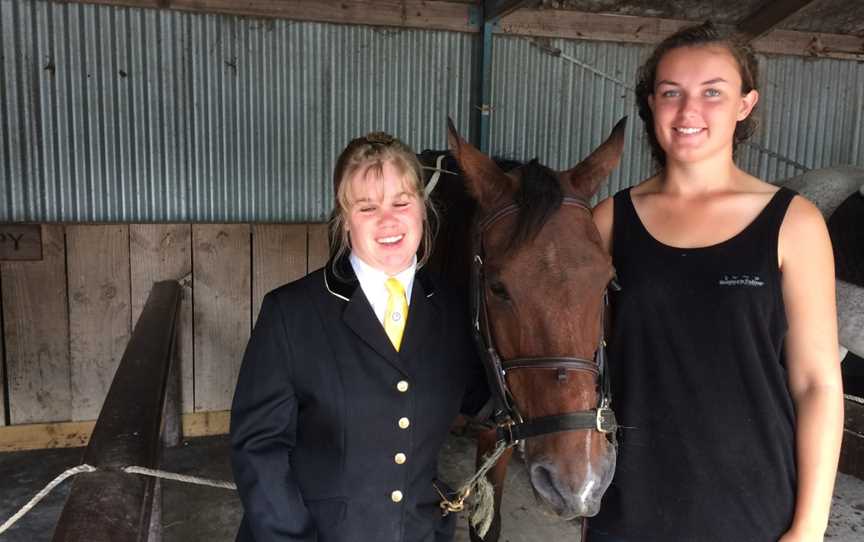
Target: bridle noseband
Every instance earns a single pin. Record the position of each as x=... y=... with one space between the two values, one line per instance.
x=512 y=428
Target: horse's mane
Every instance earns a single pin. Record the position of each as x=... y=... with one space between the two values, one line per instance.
x=539 y=195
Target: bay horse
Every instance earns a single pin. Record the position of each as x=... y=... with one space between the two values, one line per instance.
x=540 y=276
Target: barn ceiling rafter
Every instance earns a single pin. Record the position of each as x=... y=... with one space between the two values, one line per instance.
x=824 y=28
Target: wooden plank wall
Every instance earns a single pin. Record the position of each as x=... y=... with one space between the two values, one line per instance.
x=36 y=334
x=97 y=259
x=67 y=318
x=163 y=252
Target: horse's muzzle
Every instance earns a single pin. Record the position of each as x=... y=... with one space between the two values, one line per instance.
x=568 y=498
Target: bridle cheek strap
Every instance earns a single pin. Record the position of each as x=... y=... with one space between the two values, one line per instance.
x=511 y=426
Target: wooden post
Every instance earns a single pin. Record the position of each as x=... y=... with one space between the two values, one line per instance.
x=172 y=427
x=110 y=505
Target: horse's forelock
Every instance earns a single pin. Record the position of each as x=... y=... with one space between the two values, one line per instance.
x=538 y=197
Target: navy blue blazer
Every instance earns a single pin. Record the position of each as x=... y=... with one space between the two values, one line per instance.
x=334 y=434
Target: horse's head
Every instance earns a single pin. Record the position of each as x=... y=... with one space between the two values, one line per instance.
x=545 y=275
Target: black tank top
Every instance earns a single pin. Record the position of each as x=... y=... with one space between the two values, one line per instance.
x=707 y=445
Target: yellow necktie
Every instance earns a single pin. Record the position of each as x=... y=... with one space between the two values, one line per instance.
x=396 y=313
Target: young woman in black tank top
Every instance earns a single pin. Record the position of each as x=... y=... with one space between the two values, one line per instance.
x=724 y=344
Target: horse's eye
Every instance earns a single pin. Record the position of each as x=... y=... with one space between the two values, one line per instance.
x=499 y=290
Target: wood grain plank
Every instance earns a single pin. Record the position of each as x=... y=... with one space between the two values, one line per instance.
x=99 y=311
x=36 y=327
x=768 y=16
x=319 y=247
x=39 y=436
x=164 y=252
x=203 y=424
x=426 y=14
x=569 y=24
x=222 y=310
x=278 y=257
x=590 y=26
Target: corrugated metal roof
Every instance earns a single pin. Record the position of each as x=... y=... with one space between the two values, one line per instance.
x=121 y=114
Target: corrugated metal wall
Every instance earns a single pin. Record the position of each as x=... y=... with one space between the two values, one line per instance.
x=119 y=114
x=558 y=107
x=115 y=114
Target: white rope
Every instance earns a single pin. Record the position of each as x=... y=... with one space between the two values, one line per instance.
x=42 y=494
x=433 y=182
x=197 y=480
x=180 y=477
x=481 y=491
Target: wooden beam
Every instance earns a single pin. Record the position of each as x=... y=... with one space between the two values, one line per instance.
x=591 y=26
x=126 y=433
x=495 y=9
x=815 y=44
x=456 y=16
x=566 y=24
x=767 y=17
x=39 y=436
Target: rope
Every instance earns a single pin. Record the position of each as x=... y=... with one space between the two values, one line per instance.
x=197 y=480
x=42 y=494
x=433 y=182
x=853 y=398
x=482 y=508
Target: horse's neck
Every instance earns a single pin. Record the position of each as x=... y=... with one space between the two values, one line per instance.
x=451 y=256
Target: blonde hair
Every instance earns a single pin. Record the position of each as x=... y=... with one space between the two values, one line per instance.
x=369 y=153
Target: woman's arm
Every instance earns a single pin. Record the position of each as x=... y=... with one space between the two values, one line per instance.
x=263 y=434
x=812 y=358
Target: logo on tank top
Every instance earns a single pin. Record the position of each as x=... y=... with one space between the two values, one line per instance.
x=754 y=281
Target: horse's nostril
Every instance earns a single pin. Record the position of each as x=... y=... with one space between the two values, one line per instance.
x=543 y=480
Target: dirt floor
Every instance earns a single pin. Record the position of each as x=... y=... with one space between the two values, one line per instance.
x=198 y=514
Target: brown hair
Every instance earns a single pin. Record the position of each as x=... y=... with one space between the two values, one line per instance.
x=693 y=36
x=370 y=153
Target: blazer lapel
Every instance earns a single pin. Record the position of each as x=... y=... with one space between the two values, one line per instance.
x=422 y=315
x=358 y=314
x=360 y=317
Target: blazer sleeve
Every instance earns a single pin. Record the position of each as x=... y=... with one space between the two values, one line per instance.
x=477 y=393
x=263 y=434
x=477 y=390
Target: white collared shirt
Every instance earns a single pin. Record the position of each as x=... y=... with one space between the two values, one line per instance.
x=372 y=282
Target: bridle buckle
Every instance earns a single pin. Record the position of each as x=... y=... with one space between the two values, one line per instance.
x=508 y=426
x=603 y=412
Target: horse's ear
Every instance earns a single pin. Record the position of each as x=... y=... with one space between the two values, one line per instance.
x=485 y=181
x=587 y=176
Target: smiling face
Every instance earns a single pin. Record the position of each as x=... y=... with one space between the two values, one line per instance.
x=697 y=102
x=384 y=218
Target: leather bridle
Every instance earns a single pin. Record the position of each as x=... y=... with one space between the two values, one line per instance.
x=512 y=427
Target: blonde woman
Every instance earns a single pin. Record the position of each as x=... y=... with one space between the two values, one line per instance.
x=353 y=374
